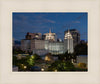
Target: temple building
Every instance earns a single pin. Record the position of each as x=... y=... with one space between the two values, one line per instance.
x=47 y=44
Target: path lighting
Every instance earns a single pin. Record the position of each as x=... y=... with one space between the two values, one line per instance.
x=25 y=67
x=42 y=69
x=56 y=70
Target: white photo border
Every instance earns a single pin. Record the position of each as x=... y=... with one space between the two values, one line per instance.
x=7 y=7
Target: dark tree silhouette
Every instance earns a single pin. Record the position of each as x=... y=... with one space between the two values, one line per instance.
x=81 y=49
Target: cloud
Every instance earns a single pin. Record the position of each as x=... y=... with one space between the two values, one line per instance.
x=50 y=21
x=81 y=16
x=40 y=20
x=75 y=21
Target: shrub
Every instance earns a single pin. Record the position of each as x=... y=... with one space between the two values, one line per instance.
x=82 y=65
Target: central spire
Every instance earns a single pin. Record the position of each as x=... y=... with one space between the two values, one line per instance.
x=50 y=31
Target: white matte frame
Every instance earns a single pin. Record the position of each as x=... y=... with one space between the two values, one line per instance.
x=9 y=77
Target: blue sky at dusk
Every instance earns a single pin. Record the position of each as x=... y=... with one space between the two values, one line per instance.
x=42 y=22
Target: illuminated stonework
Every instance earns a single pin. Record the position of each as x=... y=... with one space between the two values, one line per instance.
x=68 y=35
x=68 y=41
x=50 y=36
x=75 y=34
x=54 y=47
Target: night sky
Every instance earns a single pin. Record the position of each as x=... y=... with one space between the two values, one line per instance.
x=42 y=22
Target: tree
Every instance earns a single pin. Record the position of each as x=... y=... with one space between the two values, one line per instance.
x=81 y=49
x=62 y=66
x=36 y=57
x=18 y=51
x=31 y=61
x=67 y=56
x=14 y=60
x=82 y=65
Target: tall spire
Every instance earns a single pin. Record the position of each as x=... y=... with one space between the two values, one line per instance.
x=50 y=31
x=68 y=39
x=69 y=28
